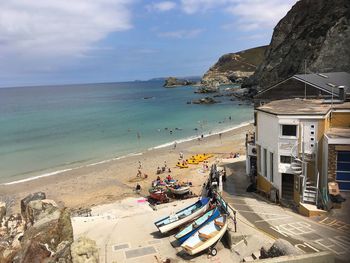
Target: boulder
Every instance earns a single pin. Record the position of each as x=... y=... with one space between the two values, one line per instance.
x=50 y=239
x=31 y=197
x=84 y=250
x=41 y=211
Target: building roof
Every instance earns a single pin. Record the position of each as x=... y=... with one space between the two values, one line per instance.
x=327 y=81
x=301 y=107
x=338 y=133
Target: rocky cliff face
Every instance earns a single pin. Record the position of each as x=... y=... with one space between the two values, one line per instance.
x=317 y=32
x=234 y=67
x=41 y=233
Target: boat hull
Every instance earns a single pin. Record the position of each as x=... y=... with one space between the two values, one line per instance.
x=166 y=227
x=185 y=236
x=201 y=246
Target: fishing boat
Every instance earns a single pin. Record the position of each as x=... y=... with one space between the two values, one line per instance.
x=183 y=216
x=191 y=228
x=179 y=190
x=206 y=236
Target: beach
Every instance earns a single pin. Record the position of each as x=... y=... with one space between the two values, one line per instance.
x=107 y=182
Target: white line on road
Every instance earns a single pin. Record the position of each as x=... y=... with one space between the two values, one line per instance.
x=254 y=212
x=272 y=219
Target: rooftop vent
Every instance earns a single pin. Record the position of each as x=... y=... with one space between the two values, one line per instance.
x=323 y=76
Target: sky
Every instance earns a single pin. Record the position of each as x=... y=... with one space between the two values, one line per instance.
x=86 y=41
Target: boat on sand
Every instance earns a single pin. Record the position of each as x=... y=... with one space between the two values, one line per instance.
x=179 y=190
x=183 y=216
x=206 y=236
x=192 y=227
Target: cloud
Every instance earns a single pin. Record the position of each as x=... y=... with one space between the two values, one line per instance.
x=255 y=14
x=250 y=14
x=181 y=34
x=161 y=6
x=44 y=30
x=194 y=6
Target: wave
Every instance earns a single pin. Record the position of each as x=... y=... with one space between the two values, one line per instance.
x=191 y=138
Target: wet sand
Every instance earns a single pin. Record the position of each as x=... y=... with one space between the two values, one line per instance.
x=108 y=182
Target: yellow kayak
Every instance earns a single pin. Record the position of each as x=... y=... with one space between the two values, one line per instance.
x=191 y=161
x=182 y=165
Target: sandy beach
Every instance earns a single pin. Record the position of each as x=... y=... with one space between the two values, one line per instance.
x=116 y=180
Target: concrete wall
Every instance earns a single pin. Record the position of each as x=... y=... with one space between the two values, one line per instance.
x=319 y=257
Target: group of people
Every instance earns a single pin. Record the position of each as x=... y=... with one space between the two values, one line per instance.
x=234 y=155
x=164 y=169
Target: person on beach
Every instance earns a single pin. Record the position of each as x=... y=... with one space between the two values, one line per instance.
x=140 y=165
x=139 y=174
x=159 y=170
x=181 y=155
x=169 y=170
x=138 y=188
x=175 y=143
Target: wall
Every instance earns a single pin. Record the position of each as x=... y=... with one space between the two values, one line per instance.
x=332 y=162
x=267 y=138
x=340 y=120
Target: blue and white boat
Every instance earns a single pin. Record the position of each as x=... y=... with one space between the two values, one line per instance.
x=183 y=216
x=206 y=236
x=189 y=230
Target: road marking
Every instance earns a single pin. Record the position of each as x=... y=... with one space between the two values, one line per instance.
x=304 y=245
x=329 y=244
x=334 y=223
x=293 y=229
x=258 y=213
x=272 y=219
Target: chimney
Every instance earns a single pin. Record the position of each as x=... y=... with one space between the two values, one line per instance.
x=341 y=93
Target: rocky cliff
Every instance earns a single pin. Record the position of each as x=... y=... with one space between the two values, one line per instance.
x=41 y=233
x=313 y=33
x=234 y=67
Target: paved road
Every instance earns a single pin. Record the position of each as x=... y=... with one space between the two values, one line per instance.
x=278 y=222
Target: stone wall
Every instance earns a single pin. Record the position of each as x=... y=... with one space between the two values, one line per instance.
x=332 y=162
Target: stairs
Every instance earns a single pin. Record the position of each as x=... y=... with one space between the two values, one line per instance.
x=310 y=189
x=310 y=193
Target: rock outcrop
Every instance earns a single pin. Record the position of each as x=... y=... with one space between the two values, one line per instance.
x=315 y=34
x=206 y=100
x=174 y=82
x=41 y=233
x=84 y=250
x=234 y=67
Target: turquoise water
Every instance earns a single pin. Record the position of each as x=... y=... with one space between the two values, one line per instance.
x=46 y=129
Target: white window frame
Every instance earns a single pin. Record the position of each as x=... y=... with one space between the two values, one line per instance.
x=289 y=137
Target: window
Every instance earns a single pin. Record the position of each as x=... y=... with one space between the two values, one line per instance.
x=265 y=162
x=285 y=159
x=289 y=130
x=271 y=166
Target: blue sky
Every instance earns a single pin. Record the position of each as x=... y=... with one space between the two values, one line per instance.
x=83 y=41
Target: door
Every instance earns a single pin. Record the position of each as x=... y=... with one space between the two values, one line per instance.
x=343 y=170
x=287 y=186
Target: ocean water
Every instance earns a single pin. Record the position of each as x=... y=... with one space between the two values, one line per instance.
x=44 y=130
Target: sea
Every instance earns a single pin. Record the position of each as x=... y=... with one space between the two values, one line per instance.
x=46 y=130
